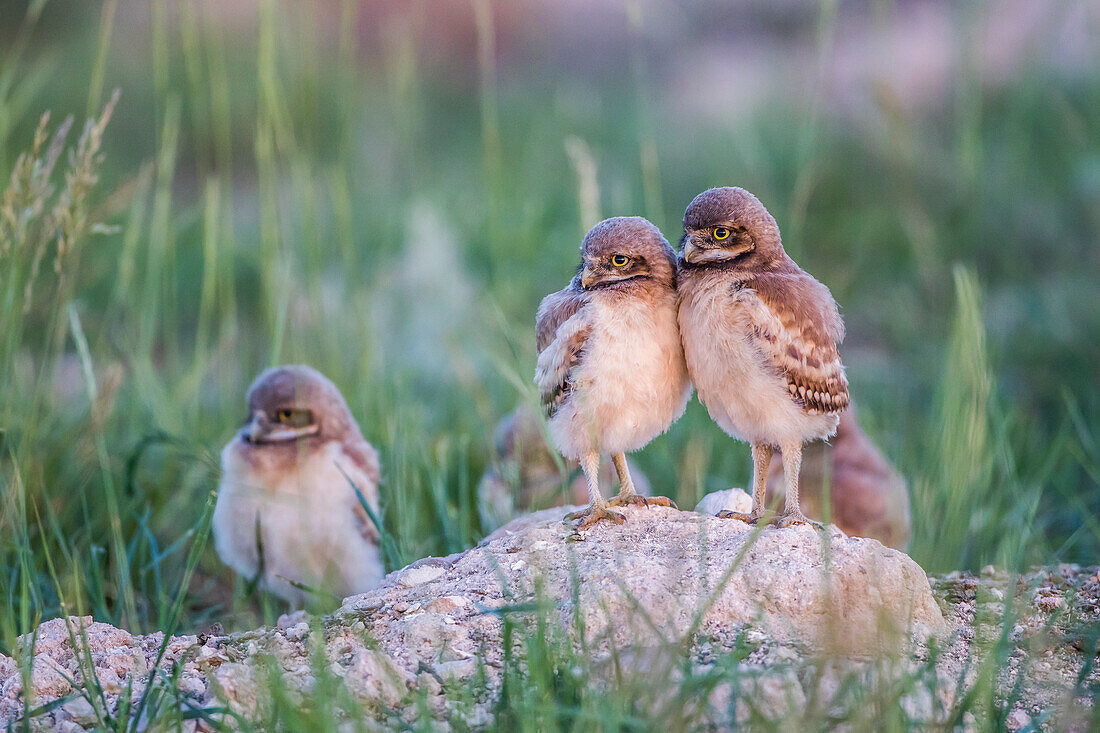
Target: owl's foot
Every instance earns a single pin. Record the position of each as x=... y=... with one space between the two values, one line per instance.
x=789 y=519
x=586 y=518
x=646 y=501
x=752 y=518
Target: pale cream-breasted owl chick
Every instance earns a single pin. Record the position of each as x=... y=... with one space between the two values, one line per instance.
x=611 y=370
x=286 y=511
x=760 y=337
x=526 y=475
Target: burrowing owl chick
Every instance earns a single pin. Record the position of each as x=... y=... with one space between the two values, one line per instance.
x=611 y=367
x=287 y=512
x=760 y=337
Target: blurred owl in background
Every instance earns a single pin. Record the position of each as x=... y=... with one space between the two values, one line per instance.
x=525 y=474
x=287 y=513
x=868 y=497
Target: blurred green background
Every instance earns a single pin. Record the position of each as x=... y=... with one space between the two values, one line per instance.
x=385 y=190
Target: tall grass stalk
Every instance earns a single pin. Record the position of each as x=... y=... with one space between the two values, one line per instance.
x=492 y=153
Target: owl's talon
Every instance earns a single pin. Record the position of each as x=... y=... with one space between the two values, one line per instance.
x=790 y=519
x=586 y=518
x=646 y=501
x=621 y=500
x=662 y=501
x=747 y=518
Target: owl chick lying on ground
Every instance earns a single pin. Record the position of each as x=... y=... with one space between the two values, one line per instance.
x=286 y=510
x=760 y=338
x=525 y=475
x=611 y=369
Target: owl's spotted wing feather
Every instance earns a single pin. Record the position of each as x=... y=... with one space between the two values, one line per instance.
x=561 y=328
x=554 y=310
x=797 y=326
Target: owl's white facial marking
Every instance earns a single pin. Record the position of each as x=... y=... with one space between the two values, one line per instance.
x=284 y=426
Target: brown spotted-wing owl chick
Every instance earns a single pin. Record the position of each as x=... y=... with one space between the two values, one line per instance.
x=526 y=474
x=286 y=511
x=611 y=370
x=760 y=337
x=868 y=497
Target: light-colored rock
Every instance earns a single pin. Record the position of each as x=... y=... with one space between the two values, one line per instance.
x=770 y=695
x=1017 y=720
x=661 y=579
x=115 y=654
x=7 y=666
x=372 y=675
x=777 y=578
x=675 y=566
x=519 y=526
x=80 y=711
x=286 y=620
x=732 y=500
x=236 y=684
x=418 y=575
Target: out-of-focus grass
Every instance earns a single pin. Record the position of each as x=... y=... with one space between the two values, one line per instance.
x=294 y=196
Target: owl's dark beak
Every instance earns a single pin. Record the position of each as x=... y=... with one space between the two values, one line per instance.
x=591 y=275
x=255 y=429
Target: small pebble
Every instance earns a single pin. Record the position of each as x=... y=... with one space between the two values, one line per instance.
x=81 y=711
x=297 y=632
x=1050 y=603
x=1018 y=719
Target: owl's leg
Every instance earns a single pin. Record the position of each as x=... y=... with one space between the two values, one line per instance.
x=626 y=488
x=761 y=459
x=792 y=511
x=597 y=507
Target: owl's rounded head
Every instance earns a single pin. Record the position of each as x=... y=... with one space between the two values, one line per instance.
x=294 y=402
x=729 y=225
x=625 y=251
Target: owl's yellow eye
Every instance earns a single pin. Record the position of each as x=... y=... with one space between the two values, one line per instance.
x=619 y=260
x=294 y=418
x=721 y=232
